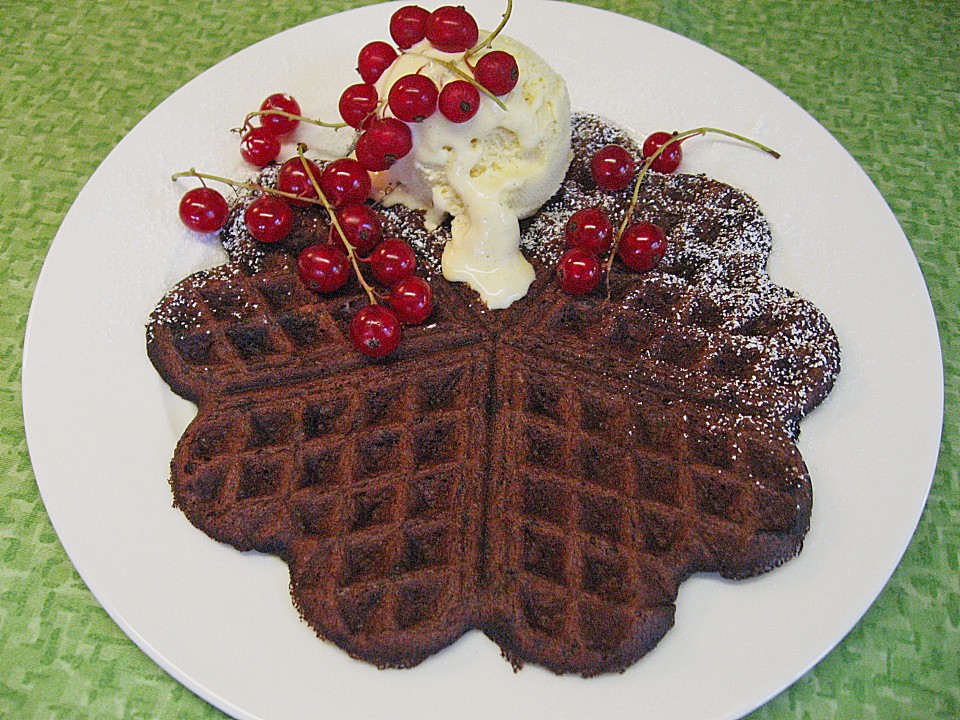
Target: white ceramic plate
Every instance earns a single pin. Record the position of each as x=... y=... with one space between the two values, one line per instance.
x=102 y=426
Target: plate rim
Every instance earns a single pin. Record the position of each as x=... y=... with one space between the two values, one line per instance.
x=29 y=390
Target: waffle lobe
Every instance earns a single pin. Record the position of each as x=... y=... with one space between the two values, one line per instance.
x=548 y=474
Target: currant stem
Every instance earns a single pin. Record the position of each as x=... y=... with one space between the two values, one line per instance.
x=351 y=250
x=319 y=200
x=292 y=116
x=721 y=131
x=452 y=67
x=677 y=137
x=490 y=38
x=237 y=184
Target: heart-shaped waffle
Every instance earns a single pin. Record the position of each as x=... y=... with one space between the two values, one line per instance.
x=548 y=474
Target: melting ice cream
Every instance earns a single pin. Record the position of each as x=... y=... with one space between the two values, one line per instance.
x=487 y=173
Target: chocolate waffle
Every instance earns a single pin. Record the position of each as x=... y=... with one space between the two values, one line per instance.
x=548 y=474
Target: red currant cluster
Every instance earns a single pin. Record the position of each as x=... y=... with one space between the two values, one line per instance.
x=205 y=210
x=640 y=246
x=279 y=116
x=342 y=187
x=589 y=233
x=414 y=97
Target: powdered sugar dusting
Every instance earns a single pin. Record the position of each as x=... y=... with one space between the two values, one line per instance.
x=708 y=321
x=643 y=430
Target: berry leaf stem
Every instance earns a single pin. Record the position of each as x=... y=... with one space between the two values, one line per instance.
x=641 y=173
x=351 y=250
x=490 y=38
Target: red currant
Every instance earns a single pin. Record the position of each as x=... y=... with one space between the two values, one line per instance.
x=497 y=71
x=612 y=168
x=667 y=161
x=642 y=246
x=383 y=143
x=413 y=98
x=323 y=268
x=392 y=260
x=578 y=271
x=412 y=300
x=375 y=330
x=375 y=57
x=280 y=124
x=452 y=29
x=408 y=26
x=361 y=226
x=345 y=182
x=459 y=101
x=358 y=103
x=294 y=179
x=203 y=209
x=268 y=218
x=259 y=146
x=589 y=229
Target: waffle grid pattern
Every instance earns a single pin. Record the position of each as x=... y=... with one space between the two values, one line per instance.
x=226 y=331
x=582 y=456
x=615 y=499
x=368 y=488
x=63 y=656
x=680 y=337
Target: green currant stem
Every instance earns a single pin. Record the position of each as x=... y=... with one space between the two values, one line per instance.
x=377 y=112
x=676 y=138
x=320 y=200
x=351 y=250
x=490 y=38
x=292 y=116
x=452 y=67
x=237 y=184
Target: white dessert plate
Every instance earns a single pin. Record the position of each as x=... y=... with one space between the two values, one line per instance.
x=102 y=426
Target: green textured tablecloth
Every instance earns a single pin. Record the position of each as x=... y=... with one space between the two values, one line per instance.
x=883 y=77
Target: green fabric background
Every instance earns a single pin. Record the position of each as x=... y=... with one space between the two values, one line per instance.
x=883 y=77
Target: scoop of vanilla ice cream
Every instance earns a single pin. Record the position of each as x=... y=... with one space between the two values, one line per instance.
x=488 y=172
